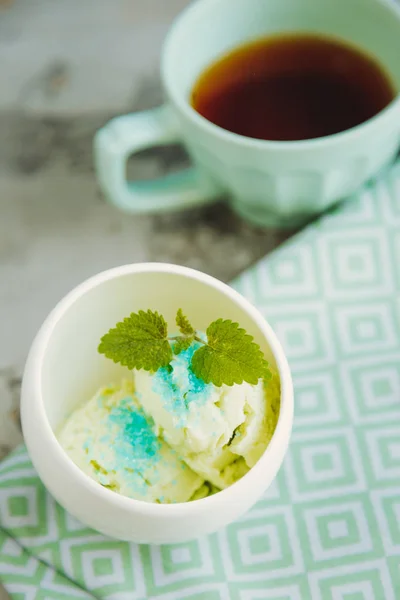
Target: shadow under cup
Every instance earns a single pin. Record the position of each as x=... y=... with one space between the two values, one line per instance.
x=278 y=183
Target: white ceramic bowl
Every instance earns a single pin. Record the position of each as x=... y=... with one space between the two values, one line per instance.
x=63 y=369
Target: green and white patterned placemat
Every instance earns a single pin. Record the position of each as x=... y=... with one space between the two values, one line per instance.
x=329 y=527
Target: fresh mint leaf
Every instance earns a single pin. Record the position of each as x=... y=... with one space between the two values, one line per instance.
x=183 y=323
x=138 y=342
x=230 y=356
x=182 y=344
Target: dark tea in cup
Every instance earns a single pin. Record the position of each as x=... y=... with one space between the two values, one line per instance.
x=292 y=87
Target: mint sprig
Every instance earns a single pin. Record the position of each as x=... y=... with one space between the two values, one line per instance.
x=229 y=355
x=182 y=344
x=183 y=323
x=138 y=342
x=184 y=341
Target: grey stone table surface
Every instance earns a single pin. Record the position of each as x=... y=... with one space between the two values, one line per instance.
x=67 y=67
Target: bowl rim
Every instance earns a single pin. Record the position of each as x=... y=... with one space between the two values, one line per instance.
x=115 y=500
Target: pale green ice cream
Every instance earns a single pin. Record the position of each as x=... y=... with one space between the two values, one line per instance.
x=110 y=439
x=220 y=432
x=169 y=437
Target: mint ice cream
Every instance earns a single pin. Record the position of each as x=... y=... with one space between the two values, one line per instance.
x=220 y=432
x=169 y=437
x=112 y=440
x=199 y=412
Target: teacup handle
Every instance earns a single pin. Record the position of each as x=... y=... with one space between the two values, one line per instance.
x=123 y=136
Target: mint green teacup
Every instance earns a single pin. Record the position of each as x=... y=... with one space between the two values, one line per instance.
x=269 y=183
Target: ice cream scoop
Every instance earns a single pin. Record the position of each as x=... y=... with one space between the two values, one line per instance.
x=220 y=432
x=113 y=441
x=170 y=437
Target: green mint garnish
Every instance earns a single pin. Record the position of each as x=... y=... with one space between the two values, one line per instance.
x=182 y=344
x=183 y=324
x=138 y=342
x=229 y=355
